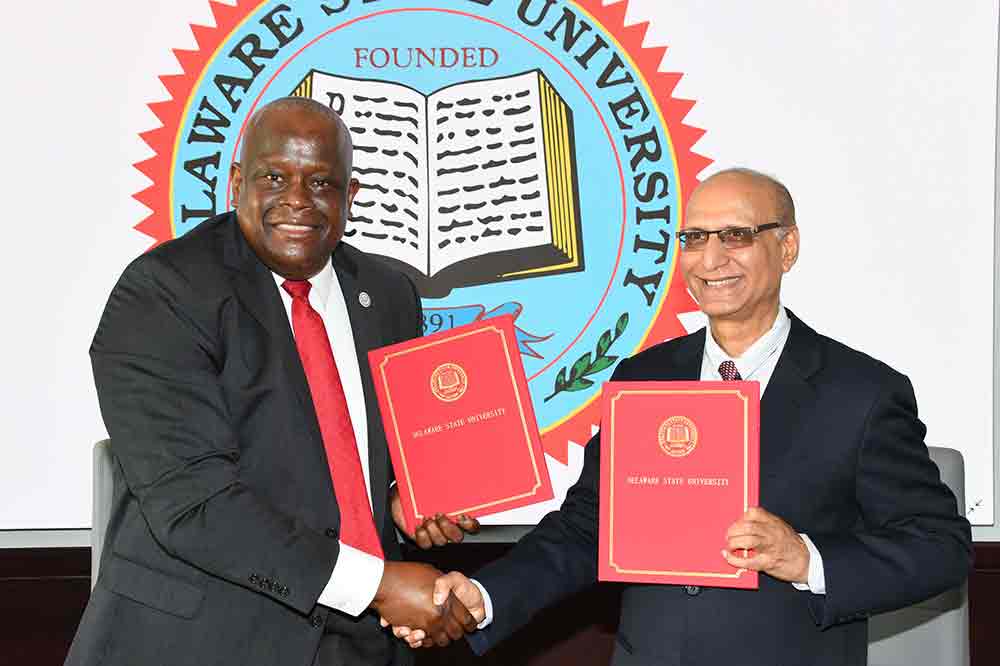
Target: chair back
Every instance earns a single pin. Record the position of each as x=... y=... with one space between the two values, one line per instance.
x=104 y=490
x=934 y=632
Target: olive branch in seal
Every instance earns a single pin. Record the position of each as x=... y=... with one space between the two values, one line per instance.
x=590 y=363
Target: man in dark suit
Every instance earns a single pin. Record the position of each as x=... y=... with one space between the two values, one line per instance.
x=854 y=519
x=251 y=521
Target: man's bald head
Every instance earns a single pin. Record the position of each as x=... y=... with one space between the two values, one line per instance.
x=313 y=116
x=781 y=198
x=292 y=186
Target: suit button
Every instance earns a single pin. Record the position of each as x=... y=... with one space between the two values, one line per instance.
x=254 y=578
x=332 y=533
x=692 y=590
x=316 y=621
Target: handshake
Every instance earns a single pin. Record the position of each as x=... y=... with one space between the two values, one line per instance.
x=426 y=608
x=423 y=606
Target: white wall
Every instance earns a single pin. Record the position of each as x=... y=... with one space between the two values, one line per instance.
x=880 y=117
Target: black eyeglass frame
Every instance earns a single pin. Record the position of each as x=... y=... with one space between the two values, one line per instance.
x=681 y=235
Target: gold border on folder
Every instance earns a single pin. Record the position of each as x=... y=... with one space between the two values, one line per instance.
x=520 y=412
x=746 y=478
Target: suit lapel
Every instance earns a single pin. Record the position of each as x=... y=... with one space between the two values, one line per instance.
x=255 y=287
x=788 y=397
x=364 y=325
x=258 y=294
x=686 y=362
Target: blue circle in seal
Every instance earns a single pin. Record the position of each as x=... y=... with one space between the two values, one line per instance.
x=563 y=315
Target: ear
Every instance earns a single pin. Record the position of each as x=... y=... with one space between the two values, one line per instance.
x=352 y=191
x=790 y=248
x=236 y=181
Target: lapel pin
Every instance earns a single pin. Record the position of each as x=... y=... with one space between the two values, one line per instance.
x=364 y=299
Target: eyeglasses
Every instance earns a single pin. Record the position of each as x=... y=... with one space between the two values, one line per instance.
x=732 y=238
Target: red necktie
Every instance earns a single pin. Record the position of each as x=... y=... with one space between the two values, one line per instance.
x=728 y=371
x=357 y=527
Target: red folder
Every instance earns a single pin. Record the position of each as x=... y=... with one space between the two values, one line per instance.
x=459 y=422
x=680 y=462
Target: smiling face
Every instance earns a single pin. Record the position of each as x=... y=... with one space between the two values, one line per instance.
x=293 y=186
x=742 y=285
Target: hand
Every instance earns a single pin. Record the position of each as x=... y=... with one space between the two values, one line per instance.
x=405 y=597
x=436 y=531
x=454 y=585
x=761 y=541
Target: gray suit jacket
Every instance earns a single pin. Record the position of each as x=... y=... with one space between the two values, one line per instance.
x=224 y=528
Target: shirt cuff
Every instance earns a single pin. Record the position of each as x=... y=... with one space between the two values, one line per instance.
x=487 y=605
x=354 y=581
x=816 y=578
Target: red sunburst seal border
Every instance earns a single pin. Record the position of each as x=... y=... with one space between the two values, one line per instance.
x=161 y=140
x=193 y=62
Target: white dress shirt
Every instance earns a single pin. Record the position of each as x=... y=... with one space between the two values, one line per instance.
x=357 y=574
x=757 y=363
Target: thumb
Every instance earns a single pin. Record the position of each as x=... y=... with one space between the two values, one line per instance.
x=443 y=587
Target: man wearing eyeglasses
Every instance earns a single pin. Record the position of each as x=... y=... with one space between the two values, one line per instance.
x=854 y=519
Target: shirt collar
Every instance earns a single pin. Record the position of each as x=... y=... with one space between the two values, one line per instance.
x=754 y=357
x=322 y=283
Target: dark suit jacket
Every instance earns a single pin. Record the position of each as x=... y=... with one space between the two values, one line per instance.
x=225 y=526
x=842 y=460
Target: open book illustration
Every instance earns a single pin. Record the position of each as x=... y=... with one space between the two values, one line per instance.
x=475 y=183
